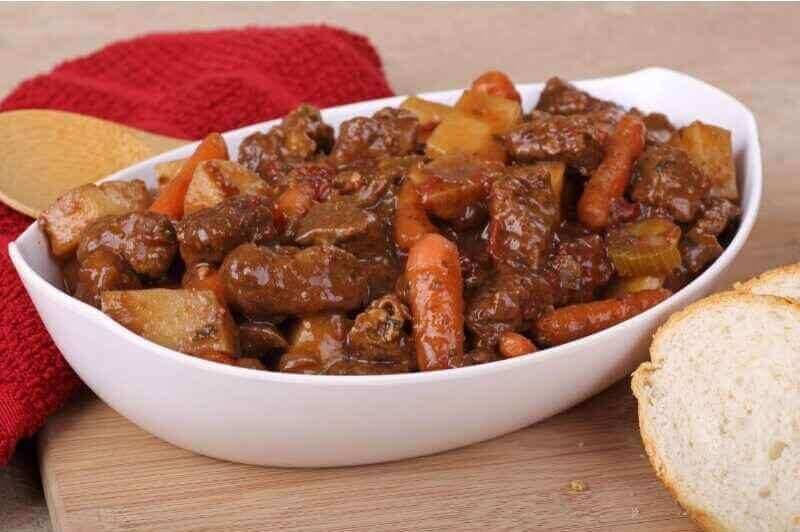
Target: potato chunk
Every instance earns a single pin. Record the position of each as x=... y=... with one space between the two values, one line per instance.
x=166 y=171
x=217 y=179
x=64 y=221
x=500 y=113
x=711 y=150
x=191 y=321
x=463 y=133
x=430 y=114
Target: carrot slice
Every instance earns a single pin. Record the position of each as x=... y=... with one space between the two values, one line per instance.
x=436 y=295
x=569 y=323
x=170 y=200
x=613 y=175
x=514 y=344
x=411 y=222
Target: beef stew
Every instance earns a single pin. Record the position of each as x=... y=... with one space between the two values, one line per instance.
x=421 y=238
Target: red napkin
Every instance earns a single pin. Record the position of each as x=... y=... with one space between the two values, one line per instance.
x=183 y=85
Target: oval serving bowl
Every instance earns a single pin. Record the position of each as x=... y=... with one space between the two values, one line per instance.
x=281 y=419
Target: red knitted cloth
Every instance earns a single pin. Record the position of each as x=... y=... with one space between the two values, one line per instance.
x=183 y=85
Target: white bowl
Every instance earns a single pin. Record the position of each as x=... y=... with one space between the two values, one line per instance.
x=282 y=419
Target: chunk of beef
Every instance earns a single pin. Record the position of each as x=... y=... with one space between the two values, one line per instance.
x=453 y=187
x=717 y=214
x=297 y=190
x=390 y=132
x=102 y=270
x=342 y=222
x=700 y=246
x=508 y=302
x=381 y=271
x=318 y=346
x=372 y=182
x=306 y=123
x=145 y=240
x=666 y=177
x=623 y=211
x=473 y=255
x=698 y=251
x=659 y=128
x=562 y=98
x=381 y=333
x=380 y=192
x=301 y=135
x=263 y=282
x=280 y=176
x=354 y=176
x=318 y=175
x=522 y=211
x=578 y=267
x=481 y=355
x=209 y=234
x=258 y=339
x=336 y=221
x=576 y=140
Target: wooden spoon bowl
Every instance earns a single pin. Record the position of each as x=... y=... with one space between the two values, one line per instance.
x=44 y=153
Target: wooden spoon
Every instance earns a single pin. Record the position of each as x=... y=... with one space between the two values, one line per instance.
x=44 y=153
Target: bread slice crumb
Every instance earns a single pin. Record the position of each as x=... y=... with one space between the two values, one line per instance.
x=719 y=408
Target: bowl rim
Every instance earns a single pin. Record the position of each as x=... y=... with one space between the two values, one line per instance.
x=97 y=318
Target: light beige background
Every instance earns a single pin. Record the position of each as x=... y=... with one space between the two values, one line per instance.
x=751 y=51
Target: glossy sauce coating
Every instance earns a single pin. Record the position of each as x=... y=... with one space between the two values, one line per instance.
x=300 y=136
x=523 y=211
x=208 y=235
x=419 y=238
x=514 y=344
x=380 y=333
x=145 y=240
x=317 y=342
x=99 y=271
x=666 y=177
x=411 y=222
x=263 y=282
x=611 y=178
x=387 y=132
x=576 y=140
x=576 y=321
x=437 y=305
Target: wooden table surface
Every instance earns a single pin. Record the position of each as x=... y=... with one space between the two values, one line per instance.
x=748 y=50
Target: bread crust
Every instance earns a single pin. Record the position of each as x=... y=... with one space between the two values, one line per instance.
x=791 y=271
x=640 y=385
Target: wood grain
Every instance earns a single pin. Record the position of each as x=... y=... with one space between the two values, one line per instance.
x=45 y=153
x=106 y=474
x=101 y=473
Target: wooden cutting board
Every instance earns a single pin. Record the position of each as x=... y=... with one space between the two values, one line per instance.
x=582 y=470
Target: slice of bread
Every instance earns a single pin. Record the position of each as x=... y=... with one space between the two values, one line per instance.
x=783 y=282
x=719 y=411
